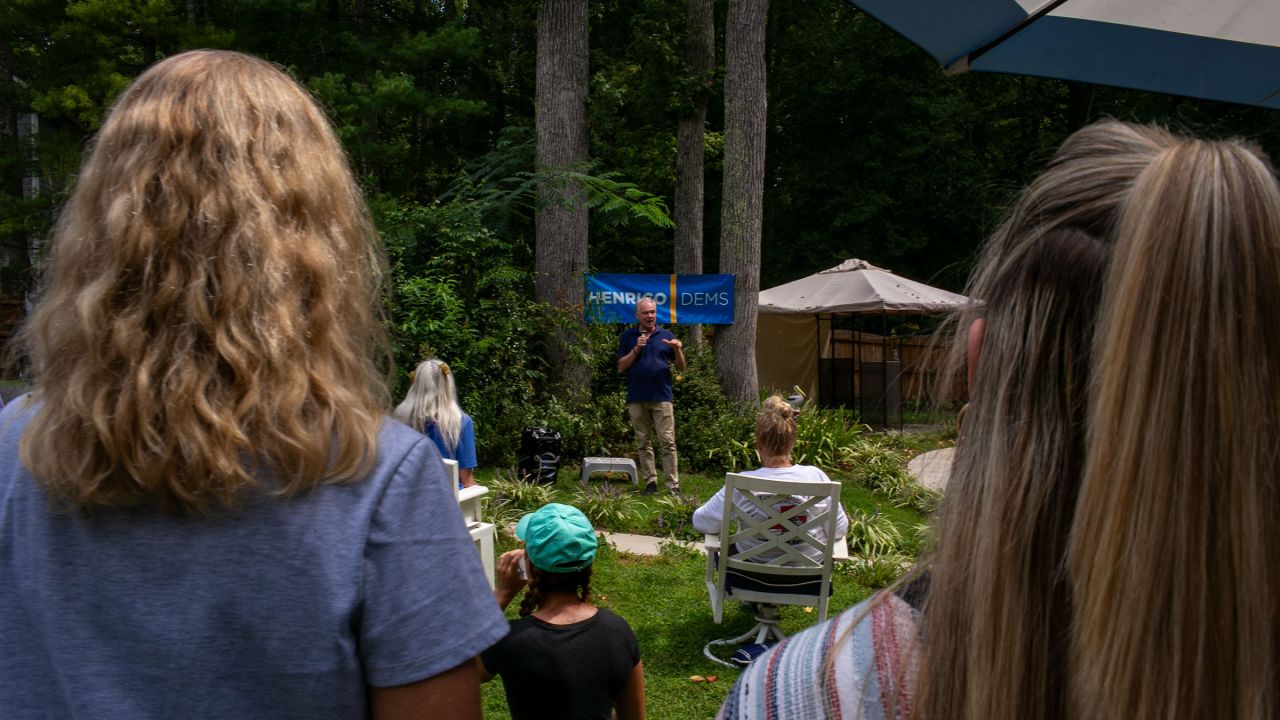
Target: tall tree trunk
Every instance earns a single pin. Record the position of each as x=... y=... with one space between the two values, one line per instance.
x=9 y=146
x=700 y=62
x=8 y=93
x=561 y=219
x=740 y=213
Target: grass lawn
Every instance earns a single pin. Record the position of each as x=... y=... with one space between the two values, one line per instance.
x=10 y=389
x=665 y=600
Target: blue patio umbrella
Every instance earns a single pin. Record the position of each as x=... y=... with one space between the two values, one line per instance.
x=1215 y=49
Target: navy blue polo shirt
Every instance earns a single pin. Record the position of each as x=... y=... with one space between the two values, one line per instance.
x=649 y=377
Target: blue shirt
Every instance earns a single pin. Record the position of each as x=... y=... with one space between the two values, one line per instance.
x=284 y=608
x=649 y=377
x=465 y=453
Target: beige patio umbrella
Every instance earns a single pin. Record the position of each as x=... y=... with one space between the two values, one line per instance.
x=856 y=286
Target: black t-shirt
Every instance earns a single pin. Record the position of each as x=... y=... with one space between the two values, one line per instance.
x=564 y=672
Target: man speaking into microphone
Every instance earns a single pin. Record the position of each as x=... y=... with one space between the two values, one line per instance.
x=646 y=353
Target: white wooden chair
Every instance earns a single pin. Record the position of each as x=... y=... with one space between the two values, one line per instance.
x=481 y=532
x=789 y=576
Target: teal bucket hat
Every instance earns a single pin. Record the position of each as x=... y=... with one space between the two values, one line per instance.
x=558 y=538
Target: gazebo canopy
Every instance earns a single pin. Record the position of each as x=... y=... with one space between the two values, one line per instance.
x=856 y=286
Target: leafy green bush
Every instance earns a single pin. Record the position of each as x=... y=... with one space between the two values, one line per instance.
x=828 y=437
x=674 y=518
x=879 y=552
x=713 y=432
x=608 y=505
x=873 y=535
x=707 y=423
x=460 y=294
x=509 y=499
x=875 y=572
x=883 y=470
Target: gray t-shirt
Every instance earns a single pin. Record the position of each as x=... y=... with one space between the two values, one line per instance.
x=284 y=608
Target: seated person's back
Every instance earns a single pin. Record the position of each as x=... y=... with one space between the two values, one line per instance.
x=775 y=439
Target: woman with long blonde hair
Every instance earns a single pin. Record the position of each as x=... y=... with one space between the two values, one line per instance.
x=201 y=508
x=1105 y=548
x=431 y=407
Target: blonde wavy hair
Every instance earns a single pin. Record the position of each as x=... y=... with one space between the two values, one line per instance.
x=433 y=397
x=776 y=427
x=209 y=320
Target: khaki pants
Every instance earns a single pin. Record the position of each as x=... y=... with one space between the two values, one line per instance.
x=648 y=419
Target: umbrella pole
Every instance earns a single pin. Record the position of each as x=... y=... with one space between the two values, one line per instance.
x=817 y=320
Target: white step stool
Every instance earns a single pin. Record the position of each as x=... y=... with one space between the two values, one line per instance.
x=592 y=465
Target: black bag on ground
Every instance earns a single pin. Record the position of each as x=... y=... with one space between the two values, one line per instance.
x=539 y=458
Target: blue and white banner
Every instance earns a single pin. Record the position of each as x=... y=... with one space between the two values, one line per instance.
x=687 y=299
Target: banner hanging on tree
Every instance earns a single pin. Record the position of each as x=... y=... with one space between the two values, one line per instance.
x=681 y=299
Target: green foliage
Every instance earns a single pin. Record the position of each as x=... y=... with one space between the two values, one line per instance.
x=608 y=505
x=674 y=516
x=873 y=535
x=827 y=437
x=459 y=294
x=509 y=499
x=505 y=182
x=882 y=469
x=879 y=550
x=615 y=201
x=834 y=440
x=876 y=571
x=599 y=427
x=714 y=433
x=735 y=454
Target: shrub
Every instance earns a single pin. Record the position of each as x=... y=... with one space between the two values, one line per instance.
x=879 y=551
x=828 y=437
x=879 y=468
x=510 y=499
x=608 y=505
x=713 y=432
x=875 y=572
x=460 y=293
x=707 y=424
x=873 y=535
x=674 y=518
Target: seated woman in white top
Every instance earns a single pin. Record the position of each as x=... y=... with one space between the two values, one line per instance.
x=775 y=439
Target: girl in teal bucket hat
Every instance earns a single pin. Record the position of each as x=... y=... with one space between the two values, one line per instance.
x=564 y=657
